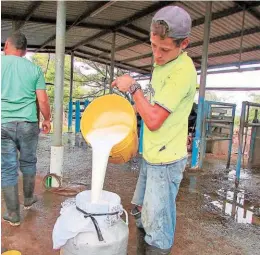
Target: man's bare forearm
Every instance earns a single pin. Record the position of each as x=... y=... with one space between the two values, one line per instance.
x=45 y=110
x=44 y=105
x=152 y=115
x=145 y=109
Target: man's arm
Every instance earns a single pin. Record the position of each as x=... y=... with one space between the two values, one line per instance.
x=44 y=106
x=152 y=115
x=38 y=111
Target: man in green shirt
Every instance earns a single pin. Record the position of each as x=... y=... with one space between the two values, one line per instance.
x=22 y=84
x=173 y=83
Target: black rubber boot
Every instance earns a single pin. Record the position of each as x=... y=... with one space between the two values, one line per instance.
x=28 y=189
x=140 y=242
x=12 y=216
x=152 y=250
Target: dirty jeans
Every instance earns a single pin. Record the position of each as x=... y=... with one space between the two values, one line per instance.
x=22 y=137
x=156 y=191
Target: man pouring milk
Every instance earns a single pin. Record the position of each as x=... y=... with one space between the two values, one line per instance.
x=165 y=131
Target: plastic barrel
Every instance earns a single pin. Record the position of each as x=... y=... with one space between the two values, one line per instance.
x=12 y=252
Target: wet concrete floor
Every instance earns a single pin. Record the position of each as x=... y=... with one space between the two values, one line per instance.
x=213 y=217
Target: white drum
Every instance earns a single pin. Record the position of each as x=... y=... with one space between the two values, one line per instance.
x=84 y=228
x=87 y=243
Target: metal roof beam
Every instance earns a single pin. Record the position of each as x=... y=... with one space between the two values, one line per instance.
x=142 y=40
x=137 y=58
x=212 y=40
x=138 y=29
x=128 y=21
x=242 y=69
x=215 y=16
x=51 y=49
x=228 y=36
x=255 y=13
x=32 y=8
x=100 y=6
x=53 y=22
x=47 y=49
x=128 y=45
x=108 y=61
x=213 y=71
x=200 y=21
x=143 y=13
x=133 y=36
x=235 y=64
x=82 y=43
x=224 y=13
x=116 y=65
x=97 y=48
x=229 y=52
x=123 y=47
x=249 y=8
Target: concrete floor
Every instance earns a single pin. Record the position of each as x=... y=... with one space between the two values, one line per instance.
x=212 y=216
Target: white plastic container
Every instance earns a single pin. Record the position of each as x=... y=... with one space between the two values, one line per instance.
x=75 y=233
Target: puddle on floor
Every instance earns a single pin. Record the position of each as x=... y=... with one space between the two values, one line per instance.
x=237 y=205
x=244 y=175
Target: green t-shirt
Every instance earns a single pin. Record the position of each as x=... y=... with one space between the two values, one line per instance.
x=19 y=82
x=174 y=87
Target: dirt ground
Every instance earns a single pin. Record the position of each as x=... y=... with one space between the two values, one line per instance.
x=213 y=217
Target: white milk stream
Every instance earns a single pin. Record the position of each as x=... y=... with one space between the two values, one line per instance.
x=102 y=141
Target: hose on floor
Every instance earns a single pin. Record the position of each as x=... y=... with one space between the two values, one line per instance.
x=62 y=191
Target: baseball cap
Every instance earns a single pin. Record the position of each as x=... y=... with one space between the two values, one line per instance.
x=177 y=19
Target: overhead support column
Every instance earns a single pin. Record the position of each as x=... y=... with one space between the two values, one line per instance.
x=71 y=73
x=112 y=65
x=56 y=163
x=70 y=114
x=15 y=25
x=197 y=145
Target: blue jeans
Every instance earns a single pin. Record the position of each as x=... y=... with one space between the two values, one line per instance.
x=156 y=191
x=22 y=137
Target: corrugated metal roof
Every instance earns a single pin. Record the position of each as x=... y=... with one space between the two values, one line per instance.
x=142 y=62
x=141 y=49
x=227 y=20
x=91 y=50
x=76 y=34
x=14 y=7
x=137 y=5
x=33 y=36
x=120 y=39
x=47 y=9
x=231 y=44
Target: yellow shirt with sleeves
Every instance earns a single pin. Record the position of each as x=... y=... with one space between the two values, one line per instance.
x=174 y=87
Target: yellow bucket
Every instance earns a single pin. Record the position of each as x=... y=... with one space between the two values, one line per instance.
x=110 y=110
x=12 y=252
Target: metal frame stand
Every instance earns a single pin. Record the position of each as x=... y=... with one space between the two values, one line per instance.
x=77 y=116
x=212 y=119
x=244 y=123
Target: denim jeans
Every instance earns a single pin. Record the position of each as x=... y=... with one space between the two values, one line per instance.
x=156 y=191
x=22 y=137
